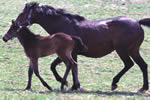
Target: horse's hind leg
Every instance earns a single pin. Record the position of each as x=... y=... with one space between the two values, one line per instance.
x=34 y=63
x=143 y=66
x=30 y=72
x=128 y=63
x=53 y=69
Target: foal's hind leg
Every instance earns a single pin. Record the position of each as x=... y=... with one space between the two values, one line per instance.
x=53 y=69
x=69 y=62
x=34 y=63
x=128 y=63
x=143 y=66
x=30 y=72
x=64 y=80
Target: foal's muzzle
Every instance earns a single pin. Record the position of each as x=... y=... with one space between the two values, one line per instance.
x=6 y=38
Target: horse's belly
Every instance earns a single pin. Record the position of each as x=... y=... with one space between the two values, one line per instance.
x=96 y=51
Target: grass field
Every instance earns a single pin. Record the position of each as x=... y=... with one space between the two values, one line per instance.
x=95 y=75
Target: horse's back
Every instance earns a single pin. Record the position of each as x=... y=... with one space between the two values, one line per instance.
x=105 y=35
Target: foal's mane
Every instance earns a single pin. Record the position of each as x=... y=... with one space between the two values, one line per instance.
x=27 y=33
x=49 y=11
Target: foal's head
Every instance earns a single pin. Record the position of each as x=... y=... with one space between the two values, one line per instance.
x=12 y=32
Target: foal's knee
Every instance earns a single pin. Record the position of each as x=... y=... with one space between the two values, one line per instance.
x=36 y=73
x=53 y=66
x=54 y=63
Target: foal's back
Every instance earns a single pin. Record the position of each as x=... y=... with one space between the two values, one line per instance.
x=56 y=43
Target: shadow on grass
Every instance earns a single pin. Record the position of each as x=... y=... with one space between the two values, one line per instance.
x=11 y=90
x=96 y=92
x=108 y=93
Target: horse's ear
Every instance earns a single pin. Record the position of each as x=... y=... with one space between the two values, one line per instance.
x=31 y=5
x=34 y=4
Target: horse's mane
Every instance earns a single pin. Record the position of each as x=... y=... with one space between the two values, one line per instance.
x=49 y=10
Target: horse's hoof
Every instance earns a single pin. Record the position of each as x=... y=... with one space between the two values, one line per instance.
x=142 y=90
x=27 y=89
x=81 y=89
x=113 y=87
x=75 y=89
x=69 y=90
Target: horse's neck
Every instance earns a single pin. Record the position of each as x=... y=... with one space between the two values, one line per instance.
x=25 y=36
x=50 y=25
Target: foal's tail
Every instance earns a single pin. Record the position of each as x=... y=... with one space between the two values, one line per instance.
x=81 y=47
x=145 y=22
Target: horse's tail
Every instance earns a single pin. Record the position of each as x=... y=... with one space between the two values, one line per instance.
x=80 y=47
x=145 y=22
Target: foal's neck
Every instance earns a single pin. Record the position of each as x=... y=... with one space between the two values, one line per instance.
x=26 y=37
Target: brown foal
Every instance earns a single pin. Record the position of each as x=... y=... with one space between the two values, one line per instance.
x=36 y=46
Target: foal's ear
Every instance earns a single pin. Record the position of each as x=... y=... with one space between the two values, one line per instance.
x=13 y=22
x=16 y=24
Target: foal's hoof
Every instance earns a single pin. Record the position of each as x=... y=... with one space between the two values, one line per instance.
x=66 y=83
x=113 y=87
x=49 y=88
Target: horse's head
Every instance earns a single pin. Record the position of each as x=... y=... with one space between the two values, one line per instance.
x=12 y=32
x=25 y=18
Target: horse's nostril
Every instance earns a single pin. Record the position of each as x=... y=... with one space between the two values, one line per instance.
x=4 y=39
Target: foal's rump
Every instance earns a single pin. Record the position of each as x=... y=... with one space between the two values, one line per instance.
x=68 y=42
x=80 y=46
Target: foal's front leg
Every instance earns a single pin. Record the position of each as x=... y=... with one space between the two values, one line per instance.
x=34 y=64
x=30 y=72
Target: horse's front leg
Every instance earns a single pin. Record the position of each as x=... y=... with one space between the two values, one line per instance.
x=30 y=72
x=53 y=69
x=76 y=83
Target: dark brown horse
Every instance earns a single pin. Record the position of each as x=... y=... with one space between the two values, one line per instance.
x=122 y=34
x=36 y=46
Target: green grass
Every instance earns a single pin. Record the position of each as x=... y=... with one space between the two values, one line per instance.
x=95 y=75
